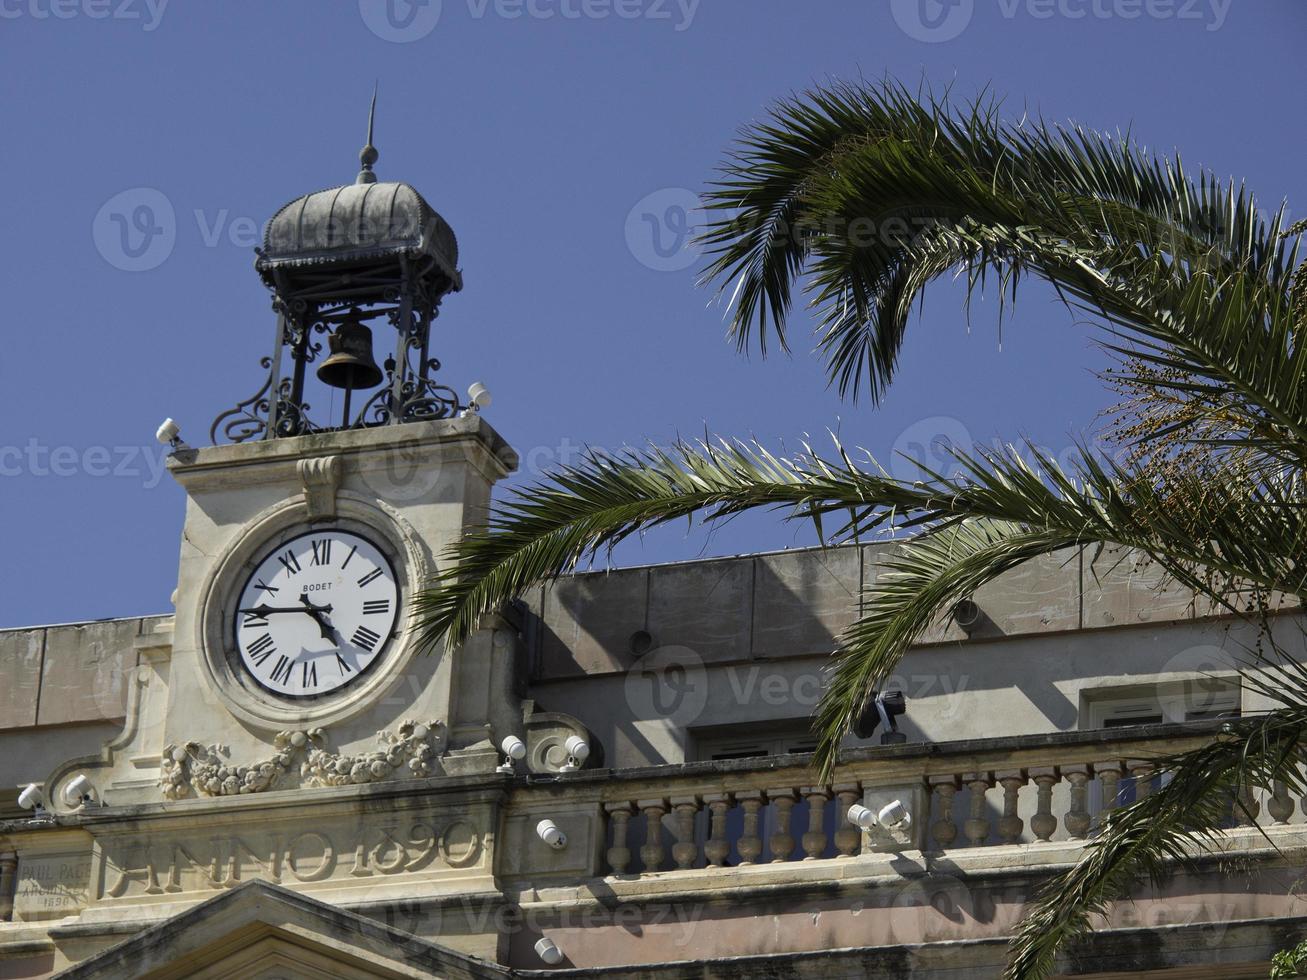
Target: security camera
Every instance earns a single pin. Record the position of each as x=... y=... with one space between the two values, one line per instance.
x=31 y=798
x=548 y=951
x=478 y=396
x=513 y=748
x=548 y=832
x=169 y=433
x=79 y=791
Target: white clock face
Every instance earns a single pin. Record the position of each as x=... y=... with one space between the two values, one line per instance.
x=316 y=613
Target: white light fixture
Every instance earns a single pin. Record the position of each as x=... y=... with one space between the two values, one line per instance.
x=548 y=832
x=861 y=816
x=478 y=396
x=895 y=816
x=79 y=790
x=578 y=750
x=169 y=433
x=514 y=749
x=548 y=951
x=892 y=816
x=31 y=797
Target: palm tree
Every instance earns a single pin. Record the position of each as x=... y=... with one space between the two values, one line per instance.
x=861 y=196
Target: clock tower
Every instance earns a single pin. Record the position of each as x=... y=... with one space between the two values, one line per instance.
x=323 y=505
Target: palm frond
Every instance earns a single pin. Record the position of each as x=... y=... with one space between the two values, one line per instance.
x=1165 y=829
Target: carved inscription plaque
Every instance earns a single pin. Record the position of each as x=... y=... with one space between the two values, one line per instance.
x=430 y=846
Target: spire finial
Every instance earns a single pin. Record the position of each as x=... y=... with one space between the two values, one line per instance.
x=368 y=155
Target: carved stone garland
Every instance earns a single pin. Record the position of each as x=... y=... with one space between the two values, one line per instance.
x=191 y=768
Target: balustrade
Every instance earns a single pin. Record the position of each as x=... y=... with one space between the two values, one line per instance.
x=1045 y=795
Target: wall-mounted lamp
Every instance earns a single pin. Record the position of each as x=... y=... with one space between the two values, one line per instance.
x=514 y=749
x=549 y=832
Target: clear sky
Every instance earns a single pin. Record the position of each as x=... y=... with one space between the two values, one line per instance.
x=545 y=131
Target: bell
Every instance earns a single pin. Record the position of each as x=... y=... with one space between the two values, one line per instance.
x=350 y=365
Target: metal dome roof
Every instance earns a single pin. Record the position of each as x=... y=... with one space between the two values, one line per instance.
x=358 y=224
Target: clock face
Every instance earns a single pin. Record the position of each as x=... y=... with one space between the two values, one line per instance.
x=316 y=613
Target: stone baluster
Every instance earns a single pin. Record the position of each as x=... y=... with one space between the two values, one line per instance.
x=1010 y=825
x=1142 y=770
x=848 y=838
x=749 y=846
x=652 y=853
x=945 y=829
x=782 y=842
x=1279 y=806
x=1077 y=818
x=619 y=818
x=685 y=851
x=1247 y=808
x=977 y=825
x=8 y=884
x=717 y=847
x=814 y=840
x=1109 y=774
x=1043 y=824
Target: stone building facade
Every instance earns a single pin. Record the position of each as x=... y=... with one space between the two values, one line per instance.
x=209 y=811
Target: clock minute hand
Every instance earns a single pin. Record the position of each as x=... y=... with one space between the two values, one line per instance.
x=268 y=610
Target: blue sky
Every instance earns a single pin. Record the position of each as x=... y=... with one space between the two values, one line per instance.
x=544 y=131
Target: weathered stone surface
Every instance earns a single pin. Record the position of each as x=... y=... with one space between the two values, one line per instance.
x=20 y=665
x=84 y=674
x=588 y=621
x=1040 y=596
x=803 y=599
x=706 y=607
x=1123 y=588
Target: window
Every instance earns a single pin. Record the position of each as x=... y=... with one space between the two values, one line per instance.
x=1153 y=704
x=753 y=740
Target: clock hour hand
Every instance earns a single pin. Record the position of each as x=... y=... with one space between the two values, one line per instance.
x=319 y=614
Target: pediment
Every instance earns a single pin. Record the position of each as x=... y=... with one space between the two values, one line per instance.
x=259 y=931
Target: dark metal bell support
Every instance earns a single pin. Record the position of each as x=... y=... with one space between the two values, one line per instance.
x=350 y=365
x=372 y=252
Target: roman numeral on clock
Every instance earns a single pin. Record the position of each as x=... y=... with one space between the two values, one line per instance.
x=376 y=606
x=270 y=589
x=253 y=620
x=321 y=551
x=310 y=674
x=349 y=556
x=290 y=561
x=365 y=638
x=369 y=578
x=343 y=666
x=261 y=649
x=281 y=672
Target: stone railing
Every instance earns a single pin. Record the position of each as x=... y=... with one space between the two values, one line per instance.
x=984 y=793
